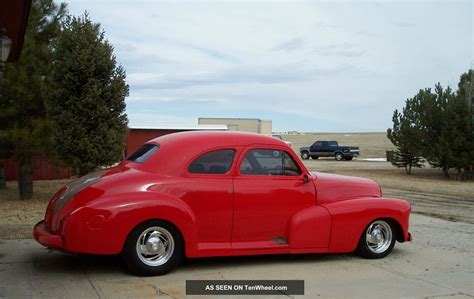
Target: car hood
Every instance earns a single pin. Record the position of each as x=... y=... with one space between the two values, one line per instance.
x=332 y=187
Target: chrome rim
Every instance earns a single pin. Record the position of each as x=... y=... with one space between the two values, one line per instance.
x=155 y=246
x=305 y=155
x=378 y=236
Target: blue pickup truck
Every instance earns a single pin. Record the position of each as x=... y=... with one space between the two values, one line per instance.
x=329 y=149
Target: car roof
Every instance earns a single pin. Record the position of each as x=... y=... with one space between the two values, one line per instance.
x=177 y=149
x=210 y=139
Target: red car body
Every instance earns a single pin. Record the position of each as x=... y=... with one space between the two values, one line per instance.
x=218 y=214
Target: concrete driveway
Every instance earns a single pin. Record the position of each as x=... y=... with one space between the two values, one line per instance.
x=438 y=263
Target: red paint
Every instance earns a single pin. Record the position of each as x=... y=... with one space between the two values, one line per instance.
x=220 y=214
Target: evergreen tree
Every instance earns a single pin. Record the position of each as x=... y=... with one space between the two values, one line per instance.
x=87 y=106
x=442 y=121
x=465 y=106
x=405 y=137
x=24 y=129
x=433 y=121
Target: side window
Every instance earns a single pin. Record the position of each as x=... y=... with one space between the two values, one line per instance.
x=215 y=162
x=317 y=144
x=324 y=144
x=332 y=143
x=269 y=162
x=289 y=165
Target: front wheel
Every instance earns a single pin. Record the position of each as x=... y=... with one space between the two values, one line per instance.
x=305 y=155
x=377 y=240
x=339 y=156
x=153 y=248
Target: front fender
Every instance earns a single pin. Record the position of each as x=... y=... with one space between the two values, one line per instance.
x=103 y=226
x=350 y=217
x=310 y=228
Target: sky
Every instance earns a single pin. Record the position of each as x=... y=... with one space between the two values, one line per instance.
x=332 y=66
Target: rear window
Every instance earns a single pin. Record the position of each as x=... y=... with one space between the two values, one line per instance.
x=215 y=162
x=143 y=153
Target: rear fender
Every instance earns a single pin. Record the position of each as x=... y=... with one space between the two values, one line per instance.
x=120 y=215
x=350 y=217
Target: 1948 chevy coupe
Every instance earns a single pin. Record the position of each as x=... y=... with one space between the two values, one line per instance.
x=198 y=194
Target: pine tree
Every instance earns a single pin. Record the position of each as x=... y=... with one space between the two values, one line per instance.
x=87 y=106
x=440 y=125
x=442 y=122
x=433 y=122
x=405 y=137
x=464 y=108
x=24 y=128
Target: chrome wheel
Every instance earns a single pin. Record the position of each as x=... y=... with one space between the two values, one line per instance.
x=379 y=236
x=155 y=246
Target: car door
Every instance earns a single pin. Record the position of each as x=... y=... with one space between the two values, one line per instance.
x=325 y=149
x=269 y=188
x=315 y=149
x=209 y=194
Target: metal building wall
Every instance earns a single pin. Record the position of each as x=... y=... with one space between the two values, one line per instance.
x=43 y=169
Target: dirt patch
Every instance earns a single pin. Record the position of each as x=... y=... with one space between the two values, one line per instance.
x=436 y=205
x=426 y=189
x=18 y=217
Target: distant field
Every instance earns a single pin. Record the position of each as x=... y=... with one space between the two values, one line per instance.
x=426 y=189
x=372 y=145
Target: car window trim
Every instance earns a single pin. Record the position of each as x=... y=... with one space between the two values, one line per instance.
x=155 y=145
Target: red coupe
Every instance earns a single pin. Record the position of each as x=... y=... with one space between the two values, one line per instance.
x=199 y=194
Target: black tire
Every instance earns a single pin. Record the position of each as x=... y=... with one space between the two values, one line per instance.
x=339 y=156
x=130 y=252
x=315 y=157
x=364 y=250
x=304 y=155
x=348 y=158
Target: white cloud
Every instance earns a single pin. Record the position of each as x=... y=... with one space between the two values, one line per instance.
x=347 y=62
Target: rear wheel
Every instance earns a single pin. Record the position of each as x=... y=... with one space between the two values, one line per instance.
x=339 y=156
x=377 y=240
x=304 y=155
x=153 y=248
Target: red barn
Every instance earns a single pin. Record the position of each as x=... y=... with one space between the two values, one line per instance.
x=43 y=169
x=138 y=135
